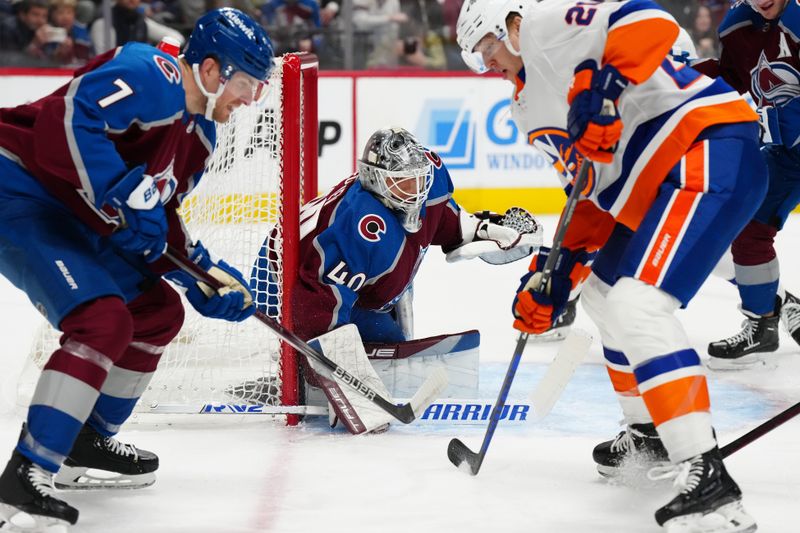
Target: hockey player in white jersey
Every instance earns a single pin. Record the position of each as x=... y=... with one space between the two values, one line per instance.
x=676 y=174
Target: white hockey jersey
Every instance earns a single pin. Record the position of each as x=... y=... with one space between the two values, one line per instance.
x=663 y=110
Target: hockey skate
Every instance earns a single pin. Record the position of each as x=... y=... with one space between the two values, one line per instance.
x=759 y=335
x=27 y=501
x=709 y=500
x=123 y=466
x=790 y=316
x=561 y=326
x=637 y=448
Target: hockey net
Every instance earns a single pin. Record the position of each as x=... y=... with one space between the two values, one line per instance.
x=263 y=169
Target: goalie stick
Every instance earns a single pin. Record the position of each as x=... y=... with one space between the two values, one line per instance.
x=457 y=451
x=405 y=413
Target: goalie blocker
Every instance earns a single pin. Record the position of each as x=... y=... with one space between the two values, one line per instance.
x=395 y=370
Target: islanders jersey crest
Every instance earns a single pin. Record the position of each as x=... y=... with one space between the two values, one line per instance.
x=554 y=143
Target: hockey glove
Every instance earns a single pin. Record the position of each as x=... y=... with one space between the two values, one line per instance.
x=497 y=239
x=143 y=228
x=593 y=121
x=233 y=302
x=535 y=311
x=769 y=126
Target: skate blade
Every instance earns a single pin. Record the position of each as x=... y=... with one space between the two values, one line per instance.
x=746 y=362
x=16 y=521
x=728 y=518
x=78 y=478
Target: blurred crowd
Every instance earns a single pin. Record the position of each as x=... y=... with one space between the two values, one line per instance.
x=386 y=34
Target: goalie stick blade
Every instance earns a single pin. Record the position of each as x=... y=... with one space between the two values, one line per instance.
x=425 y=395
x=463 y=458
x=569 y=356
x=429 y=391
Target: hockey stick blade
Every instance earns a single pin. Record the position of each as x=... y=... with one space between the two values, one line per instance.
x=463 y=458
x=570 y=355
x=429 y=391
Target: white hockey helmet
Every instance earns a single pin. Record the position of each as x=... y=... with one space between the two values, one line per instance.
x=479 y=18
x=395 y=168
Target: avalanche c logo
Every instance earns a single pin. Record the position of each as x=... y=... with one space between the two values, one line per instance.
x=370 y=227
x=168 y=69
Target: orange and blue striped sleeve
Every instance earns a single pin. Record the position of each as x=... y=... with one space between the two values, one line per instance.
x=640 y=35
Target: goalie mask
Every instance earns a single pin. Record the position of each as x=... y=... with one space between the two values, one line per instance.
x=481 y=26
x=396 y=170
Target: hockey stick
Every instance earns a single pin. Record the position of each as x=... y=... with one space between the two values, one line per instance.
x=457 y=451
x=760 y=430
x=405 y=413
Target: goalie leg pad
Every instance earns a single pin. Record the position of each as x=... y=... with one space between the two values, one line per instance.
x=404 y=366
x=358 y=414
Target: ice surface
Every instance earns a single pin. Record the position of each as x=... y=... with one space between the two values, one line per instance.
x=537 y=477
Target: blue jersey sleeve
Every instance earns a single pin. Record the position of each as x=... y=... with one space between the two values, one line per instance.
x=141 y=86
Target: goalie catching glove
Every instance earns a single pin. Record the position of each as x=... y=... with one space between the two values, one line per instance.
x=497 y=239
x=233 y=302
x=535 y=311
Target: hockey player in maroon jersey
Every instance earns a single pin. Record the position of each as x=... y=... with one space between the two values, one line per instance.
x=91 y=177
x=361 y=245
x=760 y=45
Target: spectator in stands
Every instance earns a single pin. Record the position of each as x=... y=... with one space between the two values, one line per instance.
x=703 y=33
x=717 y=9
x=382 y=19
x=26 y=32
x=328 y=11
x=5 y=10
x=76 y=47
x=423 y=50
x=194 y=9
x=288 y=13
x=129 y=24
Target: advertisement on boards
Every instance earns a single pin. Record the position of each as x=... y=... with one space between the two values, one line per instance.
x=467 y=120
